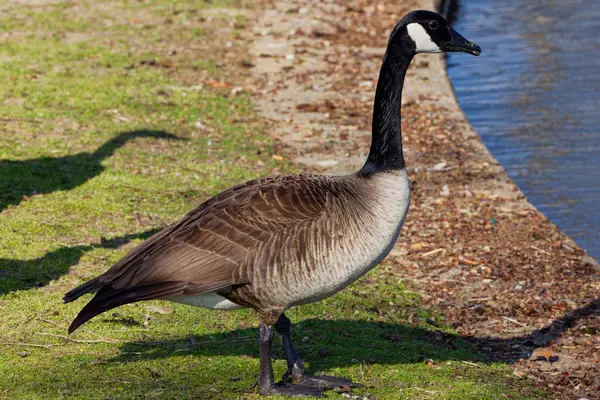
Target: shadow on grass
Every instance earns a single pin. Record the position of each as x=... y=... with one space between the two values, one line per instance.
x=342 y=343
x=25 y=274
x=331 y=344
x=47 y=174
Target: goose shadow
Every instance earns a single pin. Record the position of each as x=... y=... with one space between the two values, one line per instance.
x=48 y=174
x=25 y=274
x=328 y=344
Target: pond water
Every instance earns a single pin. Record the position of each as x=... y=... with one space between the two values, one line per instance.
x=533 y=96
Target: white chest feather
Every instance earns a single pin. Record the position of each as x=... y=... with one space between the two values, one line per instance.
x=368 y=241
x=388 y=215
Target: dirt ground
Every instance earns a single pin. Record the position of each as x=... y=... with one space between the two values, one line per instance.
x=501 y=273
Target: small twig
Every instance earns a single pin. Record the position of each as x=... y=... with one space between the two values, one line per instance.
x=64 y=328
x=7 y=119
x=241 y=339
x=432 y=252
x=471 y=364
x=206 y=388
x=427 y=391
x=390 y=316
x=478 y=299
x=514 y=321
x=445 y=169
x=567 y=247
x=76 y=340
x=46 y=346
x=540 y=250
x=52 y=323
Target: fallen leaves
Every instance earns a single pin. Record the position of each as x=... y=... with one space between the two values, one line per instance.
x=418 y=246
x=324 y=106
x=217 y=84
x=544 y=353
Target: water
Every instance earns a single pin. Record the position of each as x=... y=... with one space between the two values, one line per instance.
x=533 y=96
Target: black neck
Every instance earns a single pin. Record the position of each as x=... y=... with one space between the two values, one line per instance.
x=386 y=142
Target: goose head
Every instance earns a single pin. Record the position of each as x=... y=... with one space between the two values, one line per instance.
x=430 y=33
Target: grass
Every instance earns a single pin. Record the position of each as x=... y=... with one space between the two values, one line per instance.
x=109 y=131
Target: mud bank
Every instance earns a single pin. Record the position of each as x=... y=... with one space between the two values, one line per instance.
x=499 y=272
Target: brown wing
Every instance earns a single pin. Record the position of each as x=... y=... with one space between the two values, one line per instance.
x=209 y=248
x=211 y=243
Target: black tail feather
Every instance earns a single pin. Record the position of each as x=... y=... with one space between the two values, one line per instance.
x=108 y=298
x=89 y=287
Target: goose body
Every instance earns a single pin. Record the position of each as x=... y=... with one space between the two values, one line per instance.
x=312 y=267
x=277 y=242
x=269 y=244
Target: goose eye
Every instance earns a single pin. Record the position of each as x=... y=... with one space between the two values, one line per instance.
x=433 y=25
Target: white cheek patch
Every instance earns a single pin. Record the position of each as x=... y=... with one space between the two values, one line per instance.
x=422 y=39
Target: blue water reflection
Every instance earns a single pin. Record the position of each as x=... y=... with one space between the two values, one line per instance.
x=533 y=96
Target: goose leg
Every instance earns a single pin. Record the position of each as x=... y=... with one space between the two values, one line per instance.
x=295 y=366
x=266 y=383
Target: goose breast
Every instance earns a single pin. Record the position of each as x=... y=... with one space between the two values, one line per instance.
x=312 y=260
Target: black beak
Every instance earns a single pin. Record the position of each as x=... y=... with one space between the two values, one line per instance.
x=460 y=44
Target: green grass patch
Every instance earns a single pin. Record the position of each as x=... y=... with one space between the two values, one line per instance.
x=108 y=133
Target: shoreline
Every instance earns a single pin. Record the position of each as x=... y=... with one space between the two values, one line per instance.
x=473 y=246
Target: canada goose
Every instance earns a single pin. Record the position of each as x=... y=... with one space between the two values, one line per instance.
x=277 y=242
x=20 y=178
